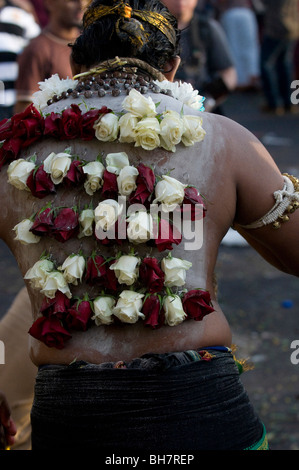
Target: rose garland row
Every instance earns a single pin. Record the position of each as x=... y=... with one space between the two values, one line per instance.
x=139 y=124
x=138 y=184
x=109 y=273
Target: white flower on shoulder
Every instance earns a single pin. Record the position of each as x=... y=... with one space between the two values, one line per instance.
x=147 y=133
x=140 y=227
x=127 y=124
x=171 y=130
x=50 y=87
x=139 y=105
x=106 y=214
x=106 y=127
x=183 y=92
x=23 y=234
x=193 y=130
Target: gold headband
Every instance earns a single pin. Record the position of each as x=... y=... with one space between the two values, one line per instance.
x=125 y=11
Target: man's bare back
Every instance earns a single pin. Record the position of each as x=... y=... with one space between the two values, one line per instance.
x=209 y=165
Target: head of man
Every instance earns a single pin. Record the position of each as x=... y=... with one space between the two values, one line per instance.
x=182 y=9
x=67 y=13
x=141 y=29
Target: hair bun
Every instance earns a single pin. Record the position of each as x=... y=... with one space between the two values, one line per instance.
x=130 y=30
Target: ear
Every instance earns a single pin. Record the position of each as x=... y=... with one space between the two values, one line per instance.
x=171 y=68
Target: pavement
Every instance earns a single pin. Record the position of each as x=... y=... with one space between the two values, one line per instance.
x=261 y=303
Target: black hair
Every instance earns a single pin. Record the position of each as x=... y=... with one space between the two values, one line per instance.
x=102 y=40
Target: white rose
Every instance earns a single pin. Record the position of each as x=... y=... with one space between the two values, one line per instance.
x=169 y=192
x=106 y=214
x=86 y=220
x=55 y=281
x=106 y=128
x=73 y=269
x=175 y=271
x=23 y=233
x=138 y=105
x=126 y=180
x=94 y=172
x=103 y=310
x=38 y=273
x=127 y=124
x=140 y=227
x=173 y=308
x=193 y=131
x=171 y=130
x=18 y=172
x=126 y=269
x=147 y=134
x=115 y=162
x=128 y=307
x=57 y=165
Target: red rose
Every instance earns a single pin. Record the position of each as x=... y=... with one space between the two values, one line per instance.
x=109 y=189
x=78 y=315
x=145 y=185
x=53 y=125
x=28 y=125
x=10 y=150
x=5 y=129
x=71 y=122
x=151 y=309
x=192 y=198
x=151 y=275
x=40 y=184
x=197 y=304
x=88 y=120
x=98 y=273
x=75 y=174
x=66 y=225
x=50 y=331
x=43 y=223
x=167 y=236
x=58 y=306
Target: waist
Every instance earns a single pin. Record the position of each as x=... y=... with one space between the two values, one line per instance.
x=125 y=342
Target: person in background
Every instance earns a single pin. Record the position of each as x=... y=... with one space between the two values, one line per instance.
x=41 y=12
x=281 y=30
x=17 y=27
x=241 y=27
x=206 y=61
x=49 y=53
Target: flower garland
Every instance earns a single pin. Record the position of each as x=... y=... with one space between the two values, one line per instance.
x=140 y=124
x=147 y=294
x=129 y=288
x=117 y=183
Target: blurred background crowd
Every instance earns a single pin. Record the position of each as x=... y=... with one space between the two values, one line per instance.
x=226 y=45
